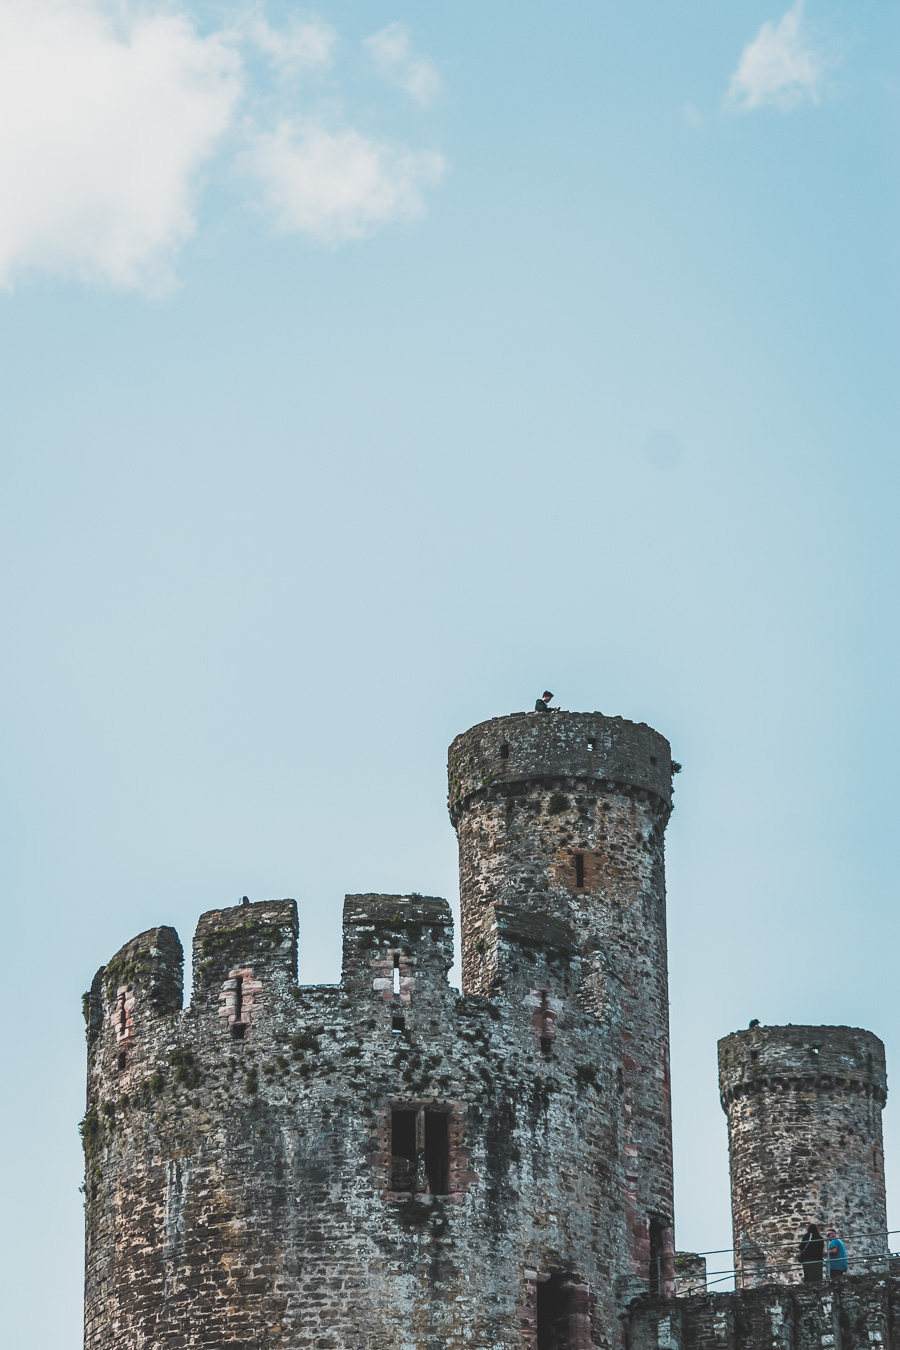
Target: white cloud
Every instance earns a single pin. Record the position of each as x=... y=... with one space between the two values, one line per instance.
x=299 y=46
x=391 y=50
x=337 y=185
x=105 y=129
x=777 y=69
x=112 y=110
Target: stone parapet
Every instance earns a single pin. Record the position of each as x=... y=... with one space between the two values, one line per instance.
x=856 y=1313
x=823 y=1058
x=536 y=747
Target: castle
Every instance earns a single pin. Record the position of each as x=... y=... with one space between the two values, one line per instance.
x=387 y=1164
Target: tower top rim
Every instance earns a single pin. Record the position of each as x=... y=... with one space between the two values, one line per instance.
x=826 y=1054
x=530 y=747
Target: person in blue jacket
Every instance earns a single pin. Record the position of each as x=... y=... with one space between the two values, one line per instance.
x=837 y=1255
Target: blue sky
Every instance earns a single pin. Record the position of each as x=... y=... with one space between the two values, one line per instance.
x=366 y=370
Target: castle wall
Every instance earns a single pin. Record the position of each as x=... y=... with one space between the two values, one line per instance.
x=804 y=1129
x=564 y=815
x=239 y=1163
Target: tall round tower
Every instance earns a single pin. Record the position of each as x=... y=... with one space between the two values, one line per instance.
x=563 y=815
x=804 y=1132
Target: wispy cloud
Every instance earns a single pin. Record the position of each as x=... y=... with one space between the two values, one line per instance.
x=113 y=112
x=392 y=52
x=778 y=69
x=299 y=46
x=337 y=185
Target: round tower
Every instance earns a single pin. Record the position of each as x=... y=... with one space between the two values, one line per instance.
x=563 y=815
x=804 y=1132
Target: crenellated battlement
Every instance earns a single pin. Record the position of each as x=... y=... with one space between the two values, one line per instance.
x=247 y=1007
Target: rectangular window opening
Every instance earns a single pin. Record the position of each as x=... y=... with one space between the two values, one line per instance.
x=420 y=1151
x=398 y=1022
x=396 y=977
x=579 y=869
x=655 y=1279
x=403 y=1150
x=554 y=1311
x=437 y=1152
x=504 y=752
x=123 y=1061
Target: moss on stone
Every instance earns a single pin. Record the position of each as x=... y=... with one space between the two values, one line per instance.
x=229 y=945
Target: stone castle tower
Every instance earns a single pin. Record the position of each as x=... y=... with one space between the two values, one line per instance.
x=804 y=1131
x=386 y=1164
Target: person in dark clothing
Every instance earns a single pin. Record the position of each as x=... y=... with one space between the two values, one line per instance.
x=812 y=1250
x=543 y=703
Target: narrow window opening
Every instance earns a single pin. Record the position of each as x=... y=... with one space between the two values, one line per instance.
x=504 y=751
x=590 y=745
x=554 y=1312
x=123 y=1060
x=238 y=1027
x=754 y=1054
x=548 y=1030
x=437 y=1152
x=123 y=1019
x=396 y=977
x=398 y=1022
x=403 y=1150
x=657 y=1231
x=652 y=759
x=579 y=869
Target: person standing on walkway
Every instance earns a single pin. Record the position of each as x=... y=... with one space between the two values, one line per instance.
x=812 y=1250
x=837 y=1256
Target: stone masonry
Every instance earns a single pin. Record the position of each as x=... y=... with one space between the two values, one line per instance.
x=564 y=815
x=387 y=1164
x=804 y=1130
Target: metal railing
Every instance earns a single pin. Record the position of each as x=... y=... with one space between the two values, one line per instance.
x=866 y=1254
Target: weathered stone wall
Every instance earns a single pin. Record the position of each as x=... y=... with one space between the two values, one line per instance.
x=563 y=815
x=804 y=1129
x=690 y=1274
x=385 y=1163
x=239 y=1164
x=856 y=1313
